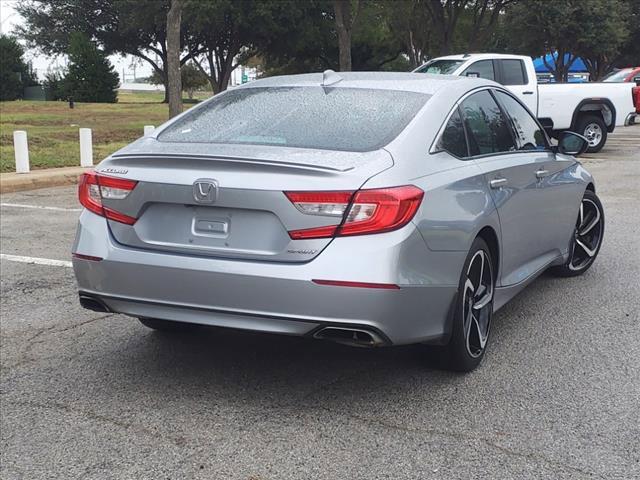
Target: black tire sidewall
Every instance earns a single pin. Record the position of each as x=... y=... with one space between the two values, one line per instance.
x=564 y=270
x=459 y=358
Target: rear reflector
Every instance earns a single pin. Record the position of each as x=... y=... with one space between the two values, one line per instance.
x=339 y=283
x=93 y=188
x=369 y=211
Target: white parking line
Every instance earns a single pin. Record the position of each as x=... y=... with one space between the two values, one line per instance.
x=40 y=207
x=35 y=260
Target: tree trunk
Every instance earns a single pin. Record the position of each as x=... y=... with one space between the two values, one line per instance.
x=165 y=84
x=342 y=10
x=174 y=18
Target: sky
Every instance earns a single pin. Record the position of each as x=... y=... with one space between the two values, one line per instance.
x=9 y=19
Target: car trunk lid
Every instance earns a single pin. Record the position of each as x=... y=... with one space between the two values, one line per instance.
x=227 y=200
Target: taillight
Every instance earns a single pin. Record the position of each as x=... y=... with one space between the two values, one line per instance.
x=364 y=211
x=92 y=188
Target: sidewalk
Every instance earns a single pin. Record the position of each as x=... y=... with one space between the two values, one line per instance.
x=49 y=177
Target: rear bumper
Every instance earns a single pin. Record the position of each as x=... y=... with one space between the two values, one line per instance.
x=276 y=297
x=631 y=119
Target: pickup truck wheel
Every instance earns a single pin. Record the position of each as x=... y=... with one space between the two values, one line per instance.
x=594 y=129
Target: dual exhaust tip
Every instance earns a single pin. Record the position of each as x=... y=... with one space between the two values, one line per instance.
x=93 y=303
x=358 y=337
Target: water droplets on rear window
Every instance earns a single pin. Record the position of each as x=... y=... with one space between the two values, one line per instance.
x=350 y=119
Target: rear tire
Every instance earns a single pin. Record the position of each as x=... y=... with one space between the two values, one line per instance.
x=167 y=325
x=473 y=310
x=587 y=237
x=594 y=129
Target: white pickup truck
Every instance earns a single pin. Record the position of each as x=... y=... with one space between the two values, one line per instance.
x=591 y=109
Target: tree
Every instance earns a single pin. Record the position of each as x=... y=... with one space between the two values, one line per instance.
x=15 y=73
x=192 y=79
x=605 y=32
x=346 y=13
x=480 y=15
x=538 y=28
x=133 y=27
x=90 y=76
x=174 y=18
x=54 y=86
x=310 y=43
x=226 y=33
x=409 y=24
x=630 y=50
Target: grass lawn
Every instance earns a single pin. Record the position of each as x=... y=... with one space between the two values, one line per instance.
x=52 y=127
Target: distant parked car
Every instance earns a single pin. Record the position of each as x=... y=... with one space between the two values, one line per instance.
x=365 y=208
x=630 y=74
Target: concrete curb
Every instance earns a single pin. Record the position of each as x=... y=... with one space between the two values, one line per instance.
x=50 y=177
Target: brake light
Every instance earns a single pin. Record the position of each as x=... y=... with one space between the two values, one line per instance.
x=364 y=211
x=93 y=188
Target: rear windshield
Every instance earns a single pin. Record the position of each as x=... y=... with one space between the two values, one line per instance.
x=350 y=119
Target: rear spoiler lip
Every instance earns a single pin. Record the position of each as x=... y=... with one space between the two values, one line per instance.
x=226 y=158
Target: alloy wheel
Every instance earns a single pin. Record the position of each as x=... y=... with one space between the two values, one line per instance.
x=587 y=235
x=593 y=133
x=477 y=303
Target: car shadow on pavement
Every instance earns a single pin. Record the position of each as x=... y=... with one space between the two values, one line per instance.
x=254 y=368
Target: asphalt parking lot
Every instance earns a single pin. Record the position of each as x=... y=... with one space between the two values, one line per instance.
x=90 y=395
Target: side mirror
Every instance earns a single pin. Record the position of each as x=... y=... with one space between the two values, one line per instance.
x=571 y=143
x=473 y=74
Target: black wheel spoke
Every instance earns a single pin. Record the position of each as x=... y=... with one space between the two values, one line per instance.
x=478 y=306
x=586 y=248
x=588 y=235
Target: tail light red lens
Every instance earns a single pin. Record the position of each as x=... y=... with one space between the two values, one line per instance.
x=92 y=188
x=364 y=211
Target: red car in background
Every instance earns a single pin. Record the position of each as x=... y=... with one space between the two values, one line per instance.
x=630 y=74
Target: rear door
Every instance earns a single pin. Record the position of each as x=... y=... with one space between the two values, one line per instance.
x=231 y=205
x=481 y=69
x=512 y=73
x=510 y=174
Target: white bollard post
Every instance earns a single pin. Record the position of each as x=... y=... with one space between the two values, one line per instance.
x=22 y=151
x=86 y=148
x=148 y=130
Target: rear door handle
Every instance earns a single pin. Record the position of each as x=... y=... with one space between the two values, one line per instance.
x=527 y=93
x=498 y=182
x=542 y=173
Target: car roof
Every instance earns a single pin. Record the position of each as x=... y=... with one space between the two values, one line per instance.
x=402 y=81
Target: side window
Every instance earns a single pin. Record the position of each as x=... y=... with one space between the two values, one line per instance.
x=487 y=128
x=452 y=139
x=529 y=134
x=513 y=72
x=483 y=67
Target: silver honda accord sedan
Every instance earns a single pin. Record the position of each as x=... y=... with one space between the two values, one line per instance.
x=365 y=208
